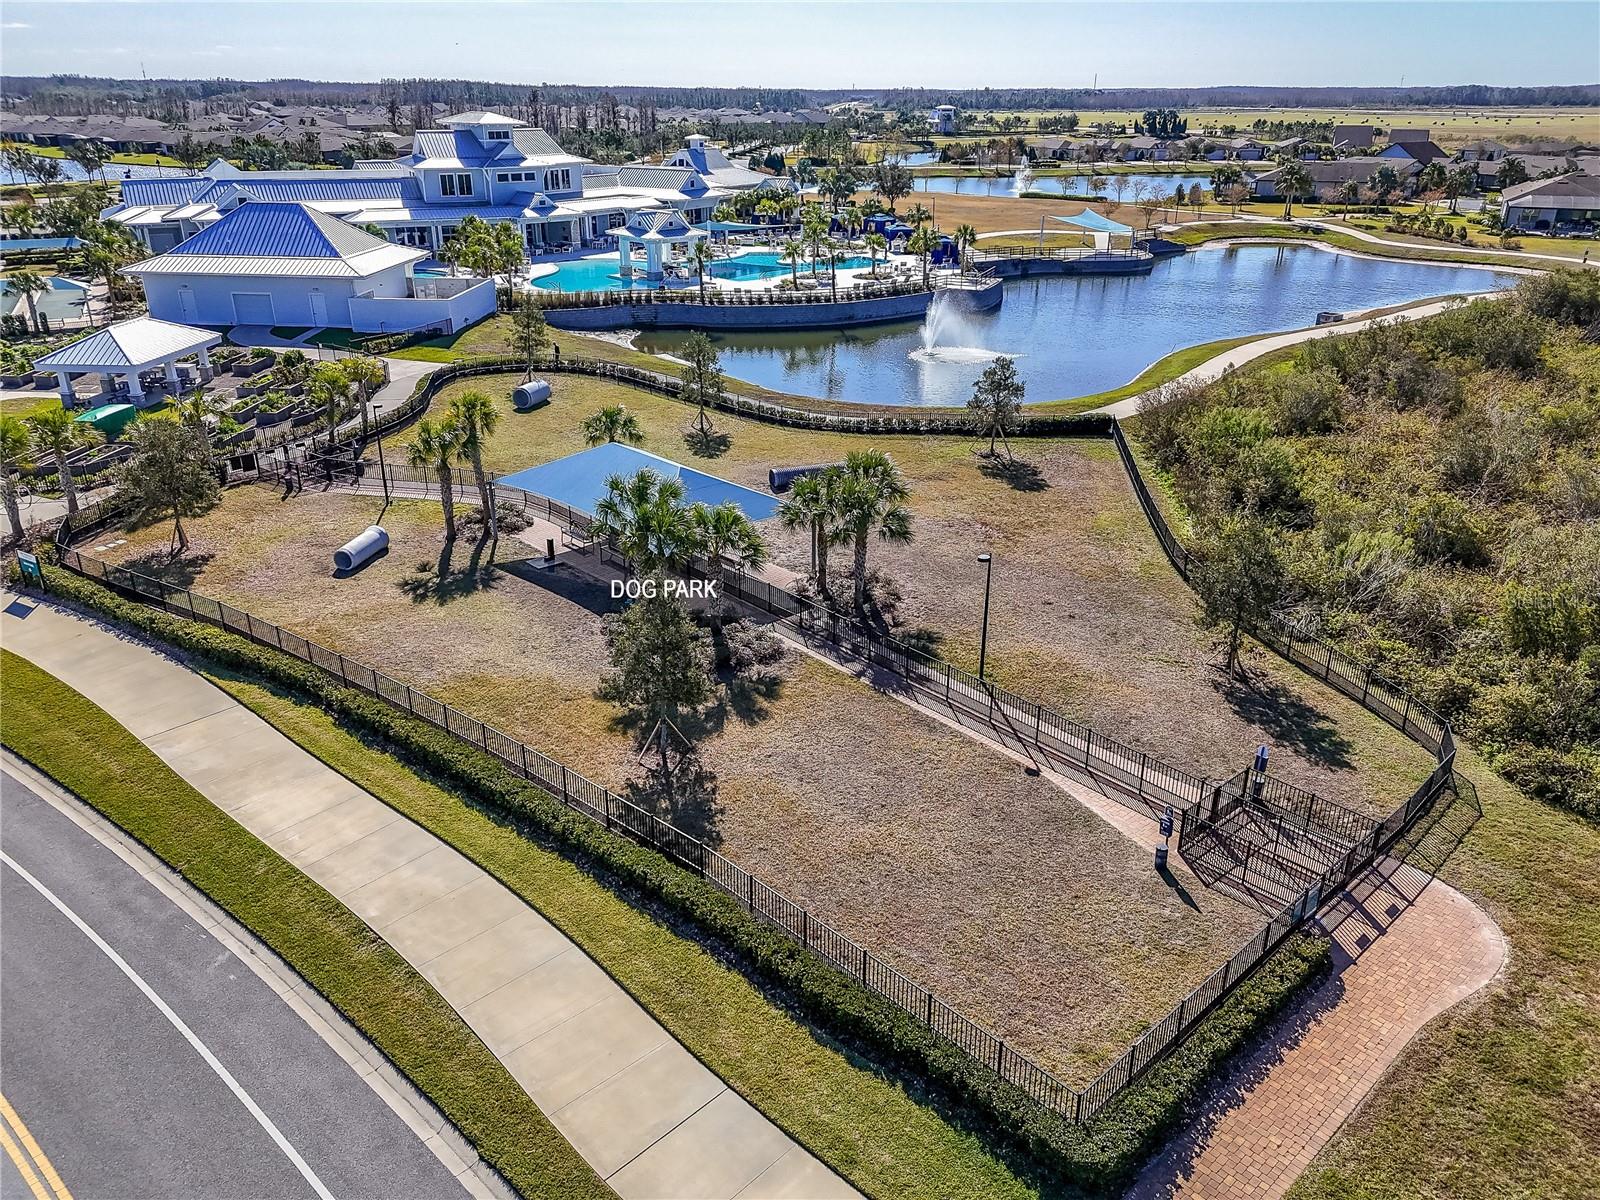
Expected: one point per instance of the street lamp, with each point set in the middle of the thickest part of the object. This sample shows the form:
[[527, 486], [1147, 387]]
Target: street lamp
[[983, 644]]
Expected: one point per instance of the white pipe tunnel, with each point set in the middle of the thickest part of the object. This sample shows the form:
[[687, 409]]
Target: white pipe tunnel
[[371, 541]]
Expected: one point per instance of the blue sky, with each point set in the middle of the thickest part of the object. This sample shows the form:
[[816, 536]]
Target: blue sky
[[859, 44]]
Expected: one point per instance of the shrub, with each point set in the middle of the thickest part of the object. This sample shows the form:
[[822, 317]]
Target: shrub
[[1570, 297], [1441, 529], [1099, 1156], [1308, 402]]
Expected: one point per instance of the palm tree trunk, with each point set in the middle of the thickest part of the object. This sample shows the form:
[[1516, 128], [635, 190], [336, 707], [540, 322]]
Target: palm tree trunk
[[484, 498], [447, 500], [861, 570], [13, 509], [822, 561], [68, 487]]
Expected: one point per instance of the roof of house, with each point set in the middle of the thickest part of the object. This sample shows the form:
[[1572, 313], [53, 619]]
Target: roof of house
[[266, 238], [1423, 152], [477, 118], [461, 147], [131, 344], [1575, 186], [660, 225], [1339, 170]]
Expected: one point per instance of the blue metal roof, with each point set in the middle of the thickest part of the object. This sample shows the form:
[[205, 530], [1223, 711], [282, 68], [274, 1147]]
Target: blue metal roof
[[579, 480], [266, 230], [163, 191]]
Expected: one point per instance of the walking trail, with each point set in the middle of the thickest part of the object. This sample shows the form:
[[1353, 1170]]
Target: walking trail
[[650, 1118], [1406, 948]]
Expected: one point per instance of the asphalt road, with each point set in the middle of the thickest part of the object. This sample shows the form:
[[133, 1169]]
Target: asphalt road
[[122, 1102]]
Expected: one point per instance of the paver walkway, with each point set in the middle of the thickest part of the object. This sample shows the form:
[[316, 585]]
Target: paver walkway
[[1406, 948], [644, 1112]]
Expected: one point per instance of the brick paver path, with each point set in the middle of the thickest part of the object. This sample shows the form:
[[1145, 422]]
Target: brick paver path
[[1401, 957]]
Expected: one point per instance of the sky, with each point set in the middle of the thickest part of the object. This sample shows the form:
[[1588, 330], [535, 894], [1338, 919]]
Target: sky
[[790, 43]]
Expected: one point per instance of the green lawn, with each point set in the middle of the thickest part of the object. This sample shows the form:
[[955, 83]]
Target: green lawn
[[865, 1126], [85, 750]]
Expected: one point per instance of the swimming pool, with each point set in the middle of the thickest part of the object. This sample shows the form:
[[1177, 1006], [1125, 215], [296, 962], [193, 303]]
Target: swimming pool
[[1074, 335], [764, 264], [600, 274], [66, 300]]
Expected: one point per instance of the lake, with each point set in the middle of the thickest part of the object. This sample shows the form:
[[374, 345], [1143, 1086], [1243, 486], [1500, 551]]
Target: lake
[[1057, 184], [1076, 335]]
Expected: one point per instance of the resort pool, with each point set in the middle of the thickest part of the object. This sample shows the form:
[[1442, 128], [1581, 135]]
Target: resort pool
[[1060, 185], [65, 301], [600, 274], [764, 264], [1073, 335]]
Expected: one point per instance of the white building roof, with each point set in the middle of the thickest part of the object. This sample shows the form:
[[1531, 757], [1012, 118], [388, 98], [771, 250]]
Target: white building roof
[[129, 345]]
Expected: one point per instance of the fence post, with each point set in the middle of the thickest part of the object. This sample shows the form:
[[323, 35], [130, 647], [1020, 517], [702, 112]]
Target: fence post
[[524, 748]]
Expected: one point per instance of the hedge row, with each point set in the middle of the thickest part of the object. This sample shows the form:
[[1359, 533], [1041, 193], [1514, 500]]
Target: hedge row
[[1098, 1156]]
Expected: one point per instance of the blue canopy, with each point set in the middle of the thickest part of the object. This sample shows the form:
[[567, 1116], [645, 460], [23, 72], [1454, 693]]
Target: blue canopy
[[730, 226], [1094, 222], [579, 480]]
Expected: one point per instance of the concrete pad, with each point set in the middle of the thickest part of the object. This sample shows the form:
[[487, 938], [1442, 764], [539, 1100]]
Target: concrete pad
[[714, 1155], [797, 1176], [579, 1054], [331, 829], [449, 921], [494, 958], [615, 1122], [407, 888], [538, 1000], [363, 860]]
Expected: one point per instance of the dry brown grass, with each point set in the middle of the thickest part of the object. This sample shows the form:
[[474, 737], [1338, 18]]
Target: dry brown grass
[[997, 890]]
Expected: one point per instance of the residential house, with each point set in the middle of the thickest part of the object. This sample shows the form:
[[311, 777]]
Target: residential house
[[1353, 139], [1328, 178], [480, 163], [1545, 205], [1410, 135], [277, 263], [1538, 166], [1242, 149], [1420, 152], [944, 119], [1482, 151]]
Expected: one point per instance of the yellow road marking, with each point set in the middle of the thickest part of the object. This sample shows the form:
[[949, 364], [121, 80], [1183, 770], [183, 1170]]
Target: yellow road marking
[[25, 1135], [24, 1168]]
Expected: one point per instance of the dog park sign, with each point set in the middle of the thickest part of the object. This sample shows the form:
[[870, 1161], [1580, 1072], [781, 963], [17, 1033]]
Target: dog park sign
[[672, 589]]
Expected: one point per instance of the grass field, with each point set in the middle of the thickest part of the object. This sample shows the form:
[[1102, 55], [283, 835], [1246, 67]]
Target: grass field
[[881, 1139], [1450, 126], [909, 840], [85, 750]]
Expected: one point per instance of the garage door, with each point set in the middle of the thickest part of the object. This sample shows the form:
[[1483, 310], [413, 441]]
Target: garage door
[[252, 308]]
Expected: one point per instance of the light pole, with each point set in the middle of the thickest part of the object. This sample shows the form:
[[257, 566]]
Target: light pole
[[983, 644]]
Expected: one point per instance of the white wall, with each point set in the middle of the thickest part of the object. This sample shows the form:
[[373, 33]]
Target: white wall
[[376, 314], [291, 297]]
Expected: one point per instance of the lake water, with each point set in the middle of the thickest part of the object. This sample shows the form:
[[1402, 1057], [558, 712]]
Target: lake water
[[72, 172], [1055, 184], [1073, 335]]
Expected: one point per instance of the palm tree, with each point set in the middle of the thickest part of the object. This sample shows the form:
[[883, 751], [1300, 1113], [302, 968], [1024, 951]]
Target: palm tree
[[366, 375], [29, 285], [104, 248], [700, 256], [966, 237], [195, 411], [476, 416], [852, 218], [89, 154], [814, 232], [875, 243], [434, 448], [1293, 181], [1349, 191], [918, 215], [613, 423], [22, 218], [923, 243], [792, 253], [870, 498], [644, 517], [15, 455], [810, 505], [724, 534], [54, 432], [330, 387]]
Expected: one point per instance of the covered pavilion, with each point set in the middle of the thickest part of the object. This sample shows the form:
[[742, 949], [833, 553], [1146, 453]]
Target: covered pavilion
[[657, 230], [127, 350]]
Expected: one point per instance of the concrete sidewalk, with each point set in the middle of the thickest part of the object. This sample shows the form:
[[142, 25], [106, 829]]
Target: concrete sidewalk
[[647, 1115]]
